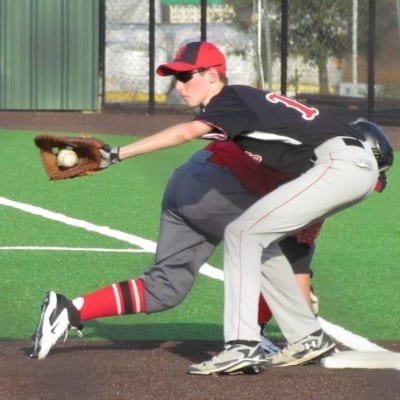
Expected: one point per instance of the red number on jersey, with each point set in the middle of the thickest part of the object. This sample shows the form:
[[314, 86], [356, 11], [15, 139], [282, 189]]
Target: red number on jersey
[[308, 113]]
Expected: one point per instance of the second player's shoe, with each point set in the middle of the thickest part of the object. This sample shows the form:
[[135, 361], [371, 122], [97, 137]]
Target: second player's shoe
[[58, 316], [270, 348], [235, 359], [306, 350]]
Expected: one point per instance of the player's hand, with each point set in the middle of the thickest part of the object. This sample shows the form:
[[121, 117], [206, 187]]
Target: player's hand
[[109, 156]]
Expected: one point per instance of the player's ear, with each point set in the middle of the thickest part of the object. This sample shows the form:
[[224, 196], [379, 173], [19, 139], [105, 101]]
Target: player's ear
[[213, 74]]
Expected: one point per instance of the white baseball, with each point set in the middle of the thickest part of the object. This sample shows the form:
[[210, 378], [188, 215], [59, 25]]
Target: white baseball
[[67, 158]]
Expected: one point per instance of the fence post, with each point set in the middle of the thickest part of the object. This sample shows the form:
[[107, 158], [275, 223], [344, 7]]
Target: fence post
[[102, 52], [151, 104], [203, 20], [284, 45], [371, 60]]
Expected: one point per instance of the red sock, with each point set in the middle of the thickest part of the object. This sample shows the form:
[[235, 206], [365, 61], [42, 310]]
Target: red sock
[[264, 313], [121, 298]]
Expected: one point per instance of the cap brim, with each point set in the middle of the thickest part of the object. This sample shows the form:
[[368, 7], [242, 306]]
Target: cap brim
[[171, 68]]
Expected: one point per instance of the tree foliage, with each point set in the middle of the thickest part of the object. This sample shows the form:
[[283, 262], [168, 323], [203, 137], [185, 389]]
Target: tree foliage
[[318, 29]]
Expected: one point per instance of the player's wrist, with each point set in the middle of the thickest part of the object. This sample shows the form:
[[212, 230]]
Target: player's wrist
[[114, 155], [109, 156]]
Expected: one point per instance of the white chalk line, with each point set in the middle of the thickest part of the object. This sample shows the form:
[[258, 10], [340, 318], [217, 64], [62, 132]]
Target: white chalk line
[[147, 246], [72, 249], [341, 335], [347, 338]]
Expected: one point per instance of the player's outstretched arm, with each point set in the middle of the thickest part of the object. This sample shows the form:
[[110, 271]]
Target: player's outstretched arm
[[169, 137]]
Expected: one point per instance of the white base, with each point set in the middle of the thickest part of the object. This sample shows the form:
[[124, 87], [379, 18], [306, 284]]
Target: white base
[[363, 359]]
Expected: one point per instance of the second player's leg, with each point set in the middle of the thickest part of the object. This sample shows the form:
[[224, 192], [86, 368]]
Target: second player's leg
[[199, 202]]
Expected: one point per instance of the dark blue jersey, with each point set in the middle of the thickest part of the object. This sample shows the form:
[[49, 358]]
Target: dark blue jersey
[[281, 130]]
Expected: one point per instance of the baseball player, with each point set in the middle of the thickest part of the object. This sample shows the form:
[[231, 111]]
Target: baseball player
[[201, 198], [332, 168]]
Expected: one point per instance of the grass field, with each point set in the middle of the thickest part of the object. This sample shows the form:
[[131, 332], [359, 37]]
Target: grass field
[[356, 266]]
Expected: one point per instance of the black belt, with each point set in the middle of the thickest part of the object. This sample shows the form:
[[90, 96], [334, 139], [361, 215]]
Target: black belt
[[352, 142]]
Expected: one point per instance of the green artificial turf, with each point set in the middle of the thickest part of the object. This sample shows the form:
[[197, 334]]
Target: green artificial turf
[[356, 265]]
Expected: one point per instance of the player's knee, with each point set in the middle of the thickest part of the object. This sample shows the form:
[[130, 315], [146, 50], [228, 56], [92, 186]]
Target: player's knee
[[232, 230], [164, 303], [235, 234]]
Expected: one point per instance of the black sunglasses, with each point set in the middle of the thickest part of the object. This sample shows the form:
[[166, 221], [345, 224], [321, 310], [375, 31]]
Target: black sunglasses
[[186, 76]]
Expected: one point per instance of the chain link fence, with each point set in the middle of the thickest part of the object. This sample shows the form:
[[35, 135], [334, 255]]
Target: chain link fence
[[328, 44], [127, 45]]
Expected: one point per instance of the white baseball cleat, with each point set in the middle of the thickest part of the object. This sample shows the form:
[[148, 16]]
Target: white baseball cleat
[[58, 316], [235, 359], [309, 349]]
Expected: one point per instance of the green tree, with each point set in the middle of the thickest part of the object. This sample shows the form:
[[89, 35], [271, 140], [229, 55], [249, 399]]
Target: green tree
[[318, 29]]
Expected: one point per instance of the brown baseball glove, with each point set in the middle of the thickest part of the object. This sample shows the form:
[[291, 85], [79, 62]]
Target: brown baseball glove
[[93, 155]]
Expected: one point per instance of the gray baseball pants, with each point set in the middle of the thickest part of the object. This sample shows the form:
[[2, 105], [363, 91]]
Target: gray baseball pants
[[200, 200], [342, 175]]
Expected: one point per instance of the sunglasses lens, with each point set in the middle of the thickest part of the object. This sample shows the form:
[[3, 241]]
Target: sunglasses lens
[[184, 76]]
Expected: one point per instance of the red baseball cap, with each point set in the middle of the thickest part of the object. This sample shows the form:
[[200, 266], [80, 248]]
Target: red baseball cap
[[192, 56]]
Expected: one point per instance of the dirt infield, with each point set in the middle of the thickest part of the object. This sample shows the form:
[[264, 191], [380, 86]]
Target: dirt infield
[[84, 370], [116, 120], [79, 370]]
